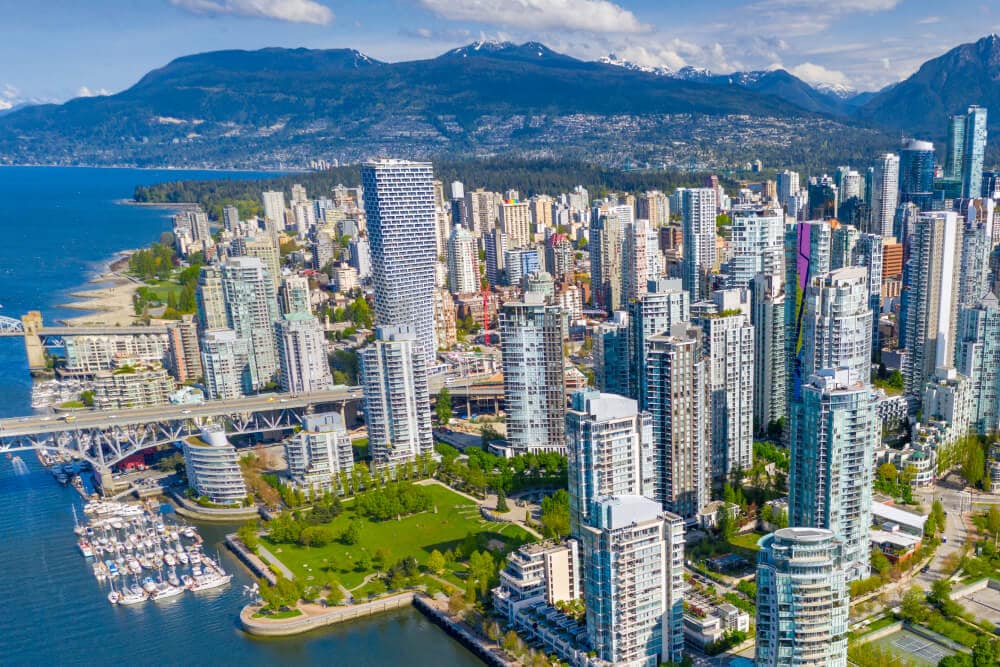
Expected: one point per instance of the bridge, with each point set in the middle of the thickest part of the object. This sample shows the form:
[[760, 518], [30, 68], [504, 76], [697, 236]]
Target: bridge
[[10, 326], [106, 437]]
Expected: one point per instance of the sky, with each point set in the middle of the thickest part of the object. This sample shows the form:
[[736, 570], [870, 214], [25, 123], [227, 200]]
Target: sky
[[53, 50]]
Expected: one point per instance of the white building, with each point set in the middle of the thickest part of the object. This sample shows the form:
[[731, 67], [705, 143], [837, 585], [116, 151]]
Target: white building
[[318, 453], [213, 468], [401, 218], [252, 309], [393, 373], [698, 224], [225, 358], [302, 355], [884, 194], [463, 262]]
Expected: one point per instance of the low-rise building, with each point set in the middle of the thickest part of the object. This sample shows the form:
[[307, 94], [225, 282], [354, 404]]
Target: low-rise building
[[543, 571], [890, 518], [318, 453], [132, 384], [213, 468], [705, 623]]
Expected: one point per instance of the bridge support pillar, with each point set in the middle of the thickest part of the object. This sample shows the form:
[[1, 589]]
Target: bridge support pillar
[[32, 321]]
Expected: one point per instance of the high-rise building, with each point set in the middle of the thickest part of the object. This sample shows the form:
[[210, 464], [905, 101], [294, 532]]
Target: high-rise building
[[835, 431], [185, 352], [393, 373], [294, 295], [612, 357], [605, 245], [929, 310], [728, 345], [400, 215], [803, 605], [977, 246], [252, 309], [916, 173], [837, 323], [698, 212], [823, 197], [230, 218], [955, 148], [884, 194], [974, 152], [265, 249], [211, 299], [495, 244], [559, 255], [302, 354], [463, 262], [757, 244], [653, 206], [635, 262], [320, 452], [274, 211], [663, 305], [979, 359], [482, 208], [788, 186], [633, 565], [767, 314], [869, 252], [807, 254], [515, 222], [677, 399], [609, 447], [533, 382], [225, 359], [520, 263]]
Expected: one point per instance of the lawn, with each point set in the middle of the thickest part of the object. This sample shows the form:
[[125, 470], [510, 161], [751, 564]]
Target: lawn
[[746, 541], [415, 536]]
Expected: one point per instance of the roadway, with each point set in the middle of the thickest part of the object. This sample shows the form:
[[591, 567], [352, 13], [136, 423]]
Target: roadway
[[950, 490], [43, 424]]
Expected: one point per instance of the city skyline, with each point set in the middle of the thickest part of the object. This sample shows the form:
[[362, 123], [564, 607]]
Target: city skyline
[[862, 45]]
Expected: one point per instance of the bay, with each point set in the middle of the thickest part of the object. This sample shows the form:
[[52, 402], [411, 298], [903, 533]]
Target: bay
[[59, 227]]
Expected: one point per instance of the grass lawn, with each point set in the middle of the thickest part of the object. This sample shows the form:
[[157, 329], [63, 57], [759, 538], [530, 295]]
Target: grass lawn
[[162, 289], [414, 536], [288, 613], [746, 541]]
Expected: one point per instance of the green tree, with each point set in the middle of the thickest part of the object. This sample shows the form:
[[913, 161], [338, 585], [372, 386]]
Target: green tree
[[555, 514], [880, 563], [436, 562], [351, 534], [442, 407], [726, 524], [248, 535], [502, 502], [334, 593]]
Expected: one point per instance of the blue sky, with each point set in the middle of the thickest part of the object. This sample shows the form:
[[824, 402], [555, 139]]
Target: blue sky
[[56, 49]]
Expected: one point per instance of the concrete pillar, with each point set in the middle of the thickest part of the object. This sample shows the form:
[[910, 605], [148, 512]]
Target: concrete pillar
[[32, 321]]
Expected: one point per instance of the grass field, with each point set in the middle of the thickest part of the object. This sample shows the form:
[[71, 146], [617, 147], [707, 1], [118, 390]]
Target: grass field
[[414, 536], [746, 541]]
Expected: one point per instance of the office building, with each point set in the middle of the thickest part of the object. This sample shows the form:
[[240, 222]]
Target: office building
[[929, 310], [974, 152], [612, 355], [916, 173], [884, 194], [609, 447], [463, 262], [633, 569], [803, 605], [955, 147], [757, 244], [767, 314], [698, 210], [677, 400], [252, 309], [319, 453], [213, 468], [728, 346], [225, 359], [533, 382], [401, 218], [663, 305], [302, 357], [393, 373], [835, 432]]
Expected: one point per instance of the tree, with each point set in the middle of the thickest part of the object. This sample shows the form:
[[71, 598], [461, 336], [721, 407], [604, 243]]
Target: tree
[[334, 593], [502, 502], [382, 559], [248, 535], [442, 407], [880, 563], [511, 642], [993, 520], [436, 562], [973, 462], [351, 534], [912, 606], [725, 523], [555, 514]]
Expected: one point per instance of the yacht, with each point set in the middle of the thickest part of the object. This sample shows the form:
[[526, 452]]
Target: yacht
[[164, 591], [134, 595], [209, 581]]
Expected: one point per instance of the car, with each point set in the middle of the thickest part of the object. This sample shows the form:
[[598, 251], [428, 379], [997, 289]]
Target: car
[[185, 412], [925, 569], [270, 399], [284, 400], [944, 539]]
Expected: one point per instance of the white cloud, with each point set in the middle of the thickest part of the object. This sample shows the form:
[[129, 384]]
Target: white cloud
[[808, 17], [293, 11], [84, 91], [927, 20], [813, 73], [597, 16]]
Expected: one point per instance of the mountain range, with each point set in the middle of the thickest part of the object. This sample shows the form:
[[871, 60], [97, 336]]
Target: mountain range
[[283, 107]]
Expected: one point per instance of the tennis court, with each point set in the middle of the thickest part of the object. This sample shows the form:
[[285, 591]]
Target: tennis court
[[913, 647]]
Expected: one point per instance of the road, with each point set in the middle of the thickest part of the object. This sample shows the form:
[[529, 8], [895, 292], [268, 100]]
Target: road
[[42, 424], [950, 490]]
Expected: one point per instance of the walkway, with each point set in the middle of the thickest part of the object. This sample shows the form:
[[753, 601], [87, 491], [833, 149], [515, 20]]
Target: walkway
[[273, 561]]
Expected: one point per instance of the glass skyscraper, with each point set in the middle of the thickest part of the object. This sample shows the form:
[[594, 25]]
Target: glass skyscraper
[[975, 150], [916, 173]]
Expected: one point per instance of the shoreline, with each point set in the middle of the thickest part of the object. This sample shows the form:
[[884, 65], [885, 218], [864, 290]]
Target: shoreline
[[112, 304], [241, 170]]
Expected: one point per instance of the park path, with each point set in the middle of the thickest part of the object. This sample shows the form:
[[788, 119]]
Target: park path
[[273, 561]]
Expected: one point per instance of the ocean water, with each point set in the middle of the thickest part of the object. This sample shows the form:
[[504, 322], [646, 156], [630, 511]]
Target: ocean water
[[59, 226]]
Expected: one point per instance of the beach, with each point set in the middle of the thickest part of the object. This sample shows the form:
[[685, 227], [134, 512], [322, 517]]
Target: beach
[[109, 301]]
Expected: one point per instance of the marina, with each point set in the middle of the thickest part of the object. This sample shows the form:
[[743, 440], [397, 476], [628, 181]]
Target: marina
[[141, 556]]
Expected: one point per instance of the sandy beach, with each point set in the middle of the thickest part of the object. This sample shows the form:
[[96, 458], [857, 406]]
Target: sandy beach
[[108, 305]]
